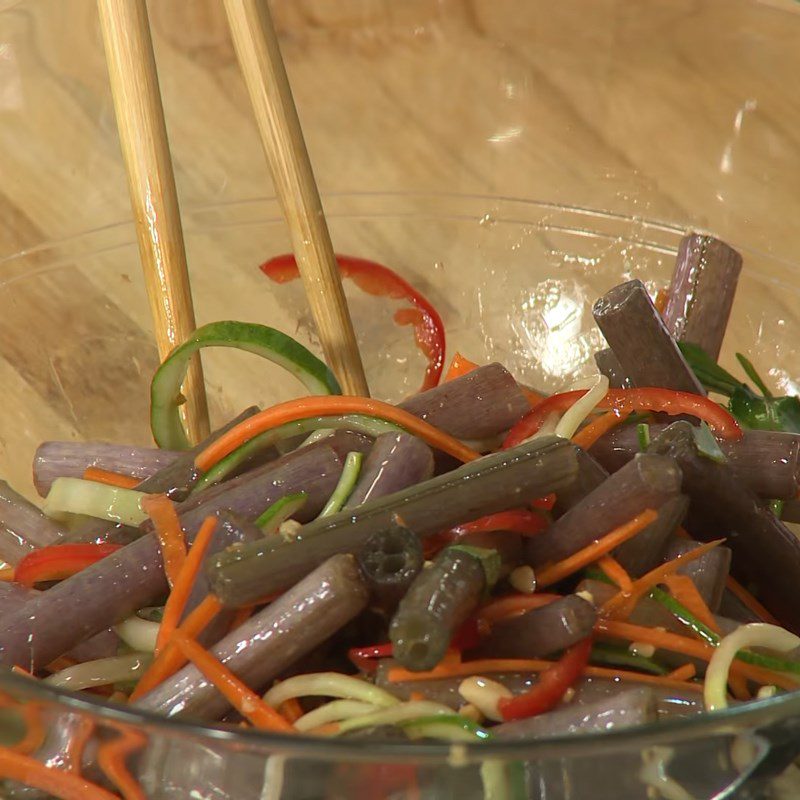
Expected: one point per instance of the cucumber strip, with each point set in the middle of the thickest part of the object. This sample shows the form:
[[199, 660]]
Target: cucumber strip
[[272, 519], [766, 660], [344, 488], [77, 496], [165, 389], [359, 423], [622, 657]]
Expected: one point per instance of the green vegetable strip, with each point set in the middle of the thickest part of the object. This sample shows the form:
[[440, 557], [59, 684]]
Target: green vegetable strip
[[707, 444], [750, 371], [643, 435], [347, 482], [281, 510], [77, 496], [614, 656], [685, 616], [359, 423], [165, 389]]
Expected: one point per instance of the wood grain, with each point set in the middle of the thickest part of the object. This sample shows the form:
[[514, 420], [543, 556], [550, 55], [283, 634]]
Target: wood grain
[[682, 112], [154, 198]]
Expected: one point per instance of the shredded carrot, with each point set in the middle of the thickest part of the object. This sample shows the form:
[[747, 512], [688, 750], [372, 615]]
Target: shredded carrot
[[616, 572], [110, 478], [534, 398], [7, 574], [321, 406], [416, 696], [184, 583], [459, 366], [754, 605], [683, 589], [59, 783], [241, 616], [519, 665], [112, 757], [738, 686], [77, 744], [683, 673], [22, 671], [561, 569], [662, 298], [240, 696], [512, 606], [688, 647], [62, 662], [170, 660], [622, 603], [589, 434], [291, 710], [328, 729], [170, 534], [34, 729]]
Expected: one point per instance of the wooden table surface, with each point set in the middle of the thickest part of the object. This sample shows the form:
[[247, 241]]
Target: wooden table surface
[[680, 111]]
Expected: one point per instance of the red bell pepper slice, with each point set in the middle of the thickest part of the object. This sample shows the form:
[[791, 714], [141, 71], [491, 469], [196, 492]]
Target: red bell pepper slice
[[60, 561], [380, 281], [366, 658], [627, 400], [551, 686], [517, 521]]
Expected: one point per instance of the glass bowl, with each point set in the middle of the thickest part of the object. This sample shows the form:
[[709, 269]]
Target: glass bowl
[[513, 160], [539, 266]]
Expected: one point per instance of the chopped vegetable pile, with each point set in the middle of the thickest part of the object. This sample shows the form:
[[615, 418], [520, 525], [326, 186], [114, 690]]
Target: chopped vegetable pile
[[465, 566]]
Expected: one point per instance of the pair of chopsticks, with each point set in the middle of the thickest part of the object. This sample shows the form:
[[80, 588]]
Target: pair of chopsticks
[[145, 148]]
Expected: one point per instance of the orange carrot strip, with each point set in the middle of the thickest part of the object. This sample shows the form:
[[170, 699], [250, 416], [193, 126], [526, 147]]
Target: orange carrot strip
[[517, 665], [170, 660], [662, 298], [169, 532], [555, 572], [110, 478], [622, 603], [291, 709], [683, 589], [7, 574], [77, 744], [683, 673], [240, 696], [588, 435], [241, 616], [320, 406], [616, 572], [184, 583], [112, 757], [534, 398], [459, 366], [512, 606], [738, 686], [689, 647], [34, 730], [754, 605], [59, 783]]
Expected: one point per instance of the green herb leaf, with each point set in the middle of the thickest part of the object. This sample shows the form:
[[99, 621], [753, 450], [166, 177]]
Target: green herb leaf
[[709, 373], [776, 507], [707, 445], [751, 373], [643, 435]]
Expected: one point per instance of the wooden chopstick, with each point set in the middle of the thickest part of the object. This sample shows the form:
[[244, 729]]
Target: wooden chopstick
[[154, 199], [256, 46]]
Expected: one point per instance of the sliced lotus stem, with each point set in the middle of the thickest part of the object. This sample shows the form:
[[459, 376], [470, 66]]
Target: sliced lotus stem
[[702, 290], [636, 333]]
